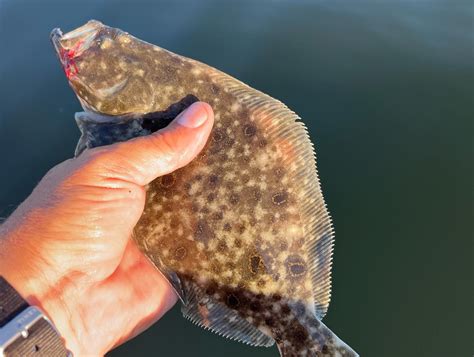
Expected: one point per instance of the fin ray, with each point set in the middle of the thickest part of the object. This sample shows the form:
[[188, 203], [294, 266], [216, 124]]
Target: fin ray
[[283, 124], [214, 316]]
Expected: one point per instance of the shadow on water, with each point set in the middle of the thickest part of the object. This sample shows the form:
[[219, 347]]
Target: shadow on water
[[386, 90]]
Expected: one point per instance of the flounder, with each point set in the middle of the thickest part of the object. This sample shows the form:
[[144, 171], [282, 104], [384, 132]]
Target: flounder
[[242, 233]]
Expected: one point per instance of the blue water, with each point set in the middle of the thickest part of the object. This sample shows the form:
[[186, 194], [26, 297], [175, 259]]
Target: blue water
[[386, 89]]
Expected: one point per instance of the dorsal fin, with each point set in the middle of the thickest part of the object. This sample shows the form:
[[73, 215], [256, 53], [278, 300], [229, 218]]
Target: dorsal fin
[[283, 125], [214, 316]]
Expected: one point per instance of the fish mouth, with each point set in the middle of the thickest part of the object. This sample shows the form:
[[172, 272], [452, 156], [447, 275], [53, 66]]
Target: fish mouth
[[72, 44], [55, 37]]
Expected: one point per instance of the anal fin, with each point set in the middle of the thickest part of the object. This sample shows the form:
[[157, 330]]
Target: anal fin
[[214, 316]]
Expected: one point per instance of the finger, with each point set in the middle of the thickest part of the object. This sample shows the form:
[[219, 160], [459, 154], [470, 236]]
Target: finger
[[143, 159]]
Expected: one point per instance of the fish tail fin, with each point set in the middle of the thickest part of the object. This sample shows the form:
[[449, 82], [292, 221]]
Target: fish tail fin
[[317, 340]]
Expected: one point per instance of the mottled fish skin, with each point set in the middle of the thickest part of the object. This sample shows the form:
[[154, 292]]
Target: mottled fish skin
[[242, 232]]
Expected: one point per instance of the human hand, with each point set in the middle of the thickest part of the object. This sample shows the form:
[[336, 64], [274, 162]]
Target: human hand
[[67, 247]]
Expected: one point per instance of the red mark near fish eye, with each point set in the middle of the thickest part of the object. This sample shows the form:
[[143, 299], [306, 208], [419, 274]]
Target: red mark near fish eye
[[67, 58]]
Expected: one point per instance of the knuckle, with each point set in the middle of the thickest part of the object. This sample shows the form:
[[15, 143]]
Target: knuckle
[[162, 142]]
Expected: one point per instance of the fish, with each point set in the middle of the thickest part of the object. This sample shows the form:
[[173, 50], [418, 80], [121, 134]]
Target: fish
[[242, 233]]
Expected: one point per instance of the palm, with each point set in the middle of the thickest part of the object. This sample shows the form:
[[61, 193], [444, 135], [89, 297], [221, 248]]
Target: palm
[[71, 237], [117, 282], [134, 280], [126, 287]]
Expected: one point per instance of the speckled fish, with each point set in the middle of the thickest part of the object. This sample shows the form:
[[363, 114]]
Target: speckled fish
[[242, 233]]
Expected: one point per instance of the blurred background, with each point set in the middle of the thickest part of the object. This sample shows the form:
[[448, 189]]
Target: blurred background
[[386, 89]]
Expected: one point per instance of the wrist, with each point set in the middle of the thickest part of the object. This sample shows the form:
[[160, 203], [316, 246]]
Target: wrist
[[29, 277]]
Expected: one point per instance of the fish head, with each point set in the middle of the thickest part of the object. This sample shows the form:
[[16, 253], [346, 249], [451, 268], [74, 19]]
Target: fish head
[[105, 69]]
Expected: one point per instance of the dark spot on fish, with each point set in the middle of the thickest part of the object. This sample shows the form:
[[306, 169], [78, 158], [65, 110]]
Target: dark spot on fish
[[238, 243], [279, 172], [255, 306], [234, 199], [203, 232], [285, 310], [227, 227], [279, 198], [300, 335], [167, 180], [245, 178], [211, 197], [255, 264], [211, 289], [232, 301], [222, 246], [215, 268], [295, 266], [223, 157], [278, 336], [299, 309], [257, 194], [218, 216], [250, 130], [299, 243], [218, 135], [180, 253], [213, 180], [215, 89], [261, 283], [245, 159], [229, 142], [276, 297], [270, 321], [227, 280], [174, 223], [325, 349]]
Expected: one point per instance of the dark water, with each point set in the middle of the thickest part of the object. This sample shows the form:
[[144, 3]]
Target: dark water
[[387, 91]]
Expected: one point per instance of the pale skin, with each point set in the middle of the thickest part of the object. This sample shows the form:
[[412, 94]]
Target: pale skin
[[68, 250]]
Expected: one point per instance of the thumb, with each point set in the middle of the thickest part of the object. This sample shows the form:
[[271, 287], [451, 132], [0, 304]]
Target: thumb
[[143, 159]]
